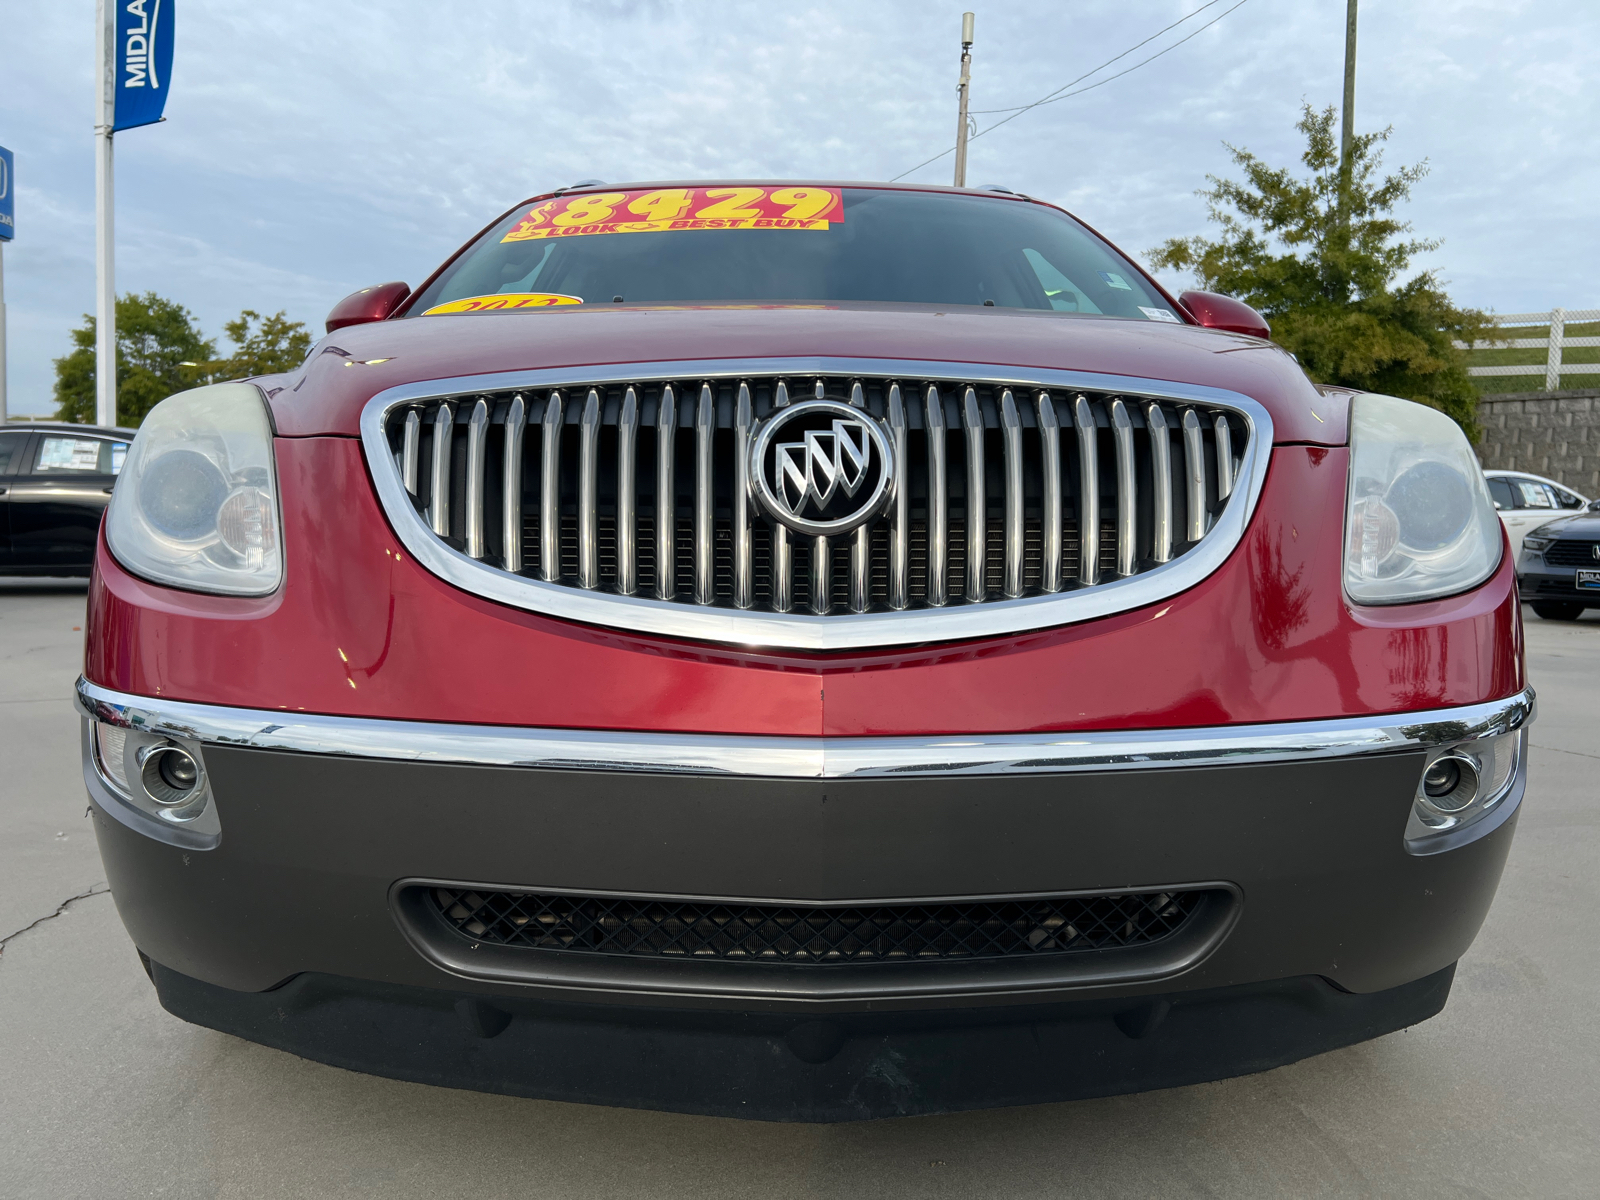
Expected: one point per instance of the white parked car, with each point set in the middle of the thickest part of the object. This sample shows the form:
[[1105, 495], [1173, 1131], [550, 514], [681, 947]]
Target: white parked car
[[1526, 501]]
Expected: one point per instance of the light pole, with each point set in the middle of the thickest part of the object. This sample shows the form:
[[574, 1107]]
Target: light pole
[[105, 290], [967, 20]]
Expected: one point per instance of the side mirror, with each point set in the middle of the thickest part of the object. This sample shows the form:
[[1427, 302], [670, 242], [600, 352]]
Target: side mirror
[[369, 304], [1224, 312], [1594, 506]]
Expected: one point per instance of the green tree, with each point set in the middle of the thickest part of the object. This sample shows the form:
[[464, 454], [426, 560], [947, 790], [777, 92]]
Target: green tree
[[275, 344], [1329, 280], [155, 336]]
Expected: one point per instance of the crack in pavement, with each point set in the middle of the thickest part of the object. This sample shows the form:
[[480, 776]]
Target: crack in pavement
[[95, 890]]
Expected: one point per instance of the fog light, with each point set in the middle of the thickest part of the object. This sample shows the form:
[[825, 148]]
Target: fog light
[[1450, 783], [1462, 784], [170, 775]]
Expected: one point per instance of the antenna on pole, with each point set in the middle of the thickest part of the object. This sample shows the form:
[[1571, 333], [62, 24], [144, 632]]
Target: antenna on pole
[[967, 20]]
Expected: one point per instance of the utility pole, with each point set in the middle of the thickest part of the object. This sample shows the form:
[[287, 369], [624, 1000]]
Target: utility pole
[[1347, 130], [967, 20], [105, 291]]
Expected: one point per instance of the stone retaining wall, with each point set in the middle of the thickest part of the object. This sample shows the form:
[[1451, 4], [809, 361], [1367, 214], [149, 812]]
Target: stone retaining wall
[[1554, 434]]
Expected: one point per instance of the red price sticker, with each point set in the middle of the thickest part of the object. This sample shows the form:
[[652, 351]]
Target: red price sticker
[[668, 210]]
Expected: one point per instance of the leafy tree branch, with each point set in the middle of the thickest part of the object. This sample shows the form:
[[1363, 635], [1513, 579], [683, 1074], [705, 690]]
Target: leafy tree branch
[[1328, 275]]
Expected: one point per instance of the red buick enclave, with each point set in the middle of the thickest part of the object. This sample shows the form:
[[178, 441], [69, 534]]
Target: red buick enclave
[[801, 651]]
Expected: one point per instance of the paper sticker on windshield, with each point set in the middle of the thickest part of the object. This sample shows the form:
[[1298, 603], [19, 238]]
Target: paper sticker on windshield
[[668, 210], [1160, 314], [502, 302], [1116, 281]]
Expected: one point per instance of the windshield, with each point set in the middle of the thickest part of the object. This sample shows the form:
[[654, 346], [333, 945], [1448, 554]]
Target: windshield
[[792, 244]]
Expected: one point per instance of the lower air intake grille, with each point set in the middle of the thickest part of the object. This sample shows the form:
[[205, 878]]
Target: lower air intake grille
[[641, 927]]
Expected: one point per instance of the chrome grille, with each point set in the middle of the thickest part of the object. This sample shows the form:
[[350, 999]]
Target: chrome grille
[[638, 488]]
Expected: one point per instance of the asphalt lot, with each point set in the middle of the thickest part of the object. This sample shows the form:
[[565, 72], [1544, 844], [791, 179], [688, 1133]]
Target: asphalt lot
[[103, 1094]]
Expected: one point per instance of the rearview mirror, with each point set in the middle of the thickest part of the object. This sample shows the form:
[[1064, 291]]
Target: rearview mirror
[[1215, 311], [369, 304]]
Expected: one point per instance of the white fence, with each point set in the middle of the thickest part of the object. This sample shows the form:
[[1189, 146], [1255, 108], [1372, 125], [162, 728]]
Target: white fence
[[1557, 340]]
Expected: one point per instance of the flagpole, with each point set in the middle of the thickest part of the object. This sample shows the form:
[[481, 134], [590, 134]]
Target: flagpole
[[4, 415], [105, 306]]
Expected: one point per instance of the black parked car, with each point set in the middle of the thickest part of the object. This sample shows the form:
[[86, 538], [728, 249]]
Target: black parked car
[[1559, 569], [55, 482]]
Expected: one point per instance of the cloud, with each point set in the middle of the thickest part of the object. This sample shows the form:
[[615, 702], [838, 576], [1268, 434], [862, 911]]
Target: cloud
[[312, 148]]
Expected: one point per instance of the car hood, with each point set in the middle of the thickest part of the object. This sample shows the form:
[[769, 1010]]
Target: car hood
[[347, 368], [1579, 526]]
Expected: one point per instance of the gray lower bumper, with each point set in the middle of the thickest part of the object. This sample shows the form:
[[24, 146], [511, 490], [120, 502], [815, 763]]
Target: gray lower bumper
[[1308, 841]]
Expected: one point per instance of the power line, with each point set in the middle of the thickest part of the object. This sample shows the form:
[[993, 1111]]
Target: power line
[[1053, 97], [1137, 46]]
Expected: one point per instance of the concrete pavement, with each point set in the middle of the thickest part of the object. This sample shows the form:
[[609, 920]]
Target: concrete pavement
[[103, 1094]]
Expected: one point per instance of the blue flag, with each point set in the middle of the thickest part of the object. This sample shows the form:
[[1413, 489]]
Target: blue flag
[[8, 196], [144, 61]]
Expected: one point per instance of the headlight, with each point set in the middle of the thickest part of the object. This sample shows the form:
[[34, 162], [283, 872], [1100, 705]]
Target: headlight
[[1419, 523], [1536, 545], [196, 504]]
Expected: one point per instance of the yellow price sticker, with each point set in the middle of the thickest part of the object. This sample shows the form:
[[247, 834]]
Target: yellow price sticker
[[503, 302]]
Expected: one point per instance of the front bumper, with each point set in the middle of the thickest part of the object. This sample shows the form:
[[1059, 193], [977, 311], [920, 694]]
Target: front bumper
[[1536, 581], [1299, 826]]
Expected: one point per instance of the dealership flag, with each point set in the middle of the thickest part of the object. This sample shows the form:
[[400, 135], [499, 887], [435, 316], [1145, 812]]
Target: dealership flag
[[143, 62]]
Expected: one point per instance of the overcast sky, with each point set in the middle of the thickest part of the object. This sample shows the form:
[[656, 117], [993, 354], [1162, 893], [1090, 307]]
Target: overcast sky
[[314, 148]]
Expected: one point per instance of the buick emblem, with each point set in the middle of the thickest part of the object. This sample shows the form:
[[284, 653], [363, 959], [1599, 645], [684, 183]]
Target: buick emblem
[[821, 467]]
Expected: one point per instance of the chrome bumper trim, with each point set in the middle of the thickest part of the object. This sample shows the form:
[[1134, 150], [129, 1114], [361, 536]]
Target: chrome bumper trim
[[804, 757], [796, 631]]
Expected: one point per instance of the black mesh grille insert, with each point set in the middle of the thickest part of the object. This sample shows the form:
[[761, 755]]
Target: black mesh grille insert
[[642, 927], [1572, 553]]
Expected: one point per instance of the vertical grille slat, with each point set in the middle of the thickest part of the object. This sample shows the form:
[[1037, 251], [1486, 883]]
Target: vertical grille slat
[[938, 512], [705, 428], [1011, 427], [409, 439], [1224, 458], [627, 493], [782, 545], [439, 485], [899, 518], [511, 484], [743, 560], [1011, 512], [1127, 491], [1088, 436], [861, 541], [977, 496], [821, 576], [1050, 579], [1194, 475], [589, 492], [477, 439], [550, 487], [1161, 481], [666, 518]]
